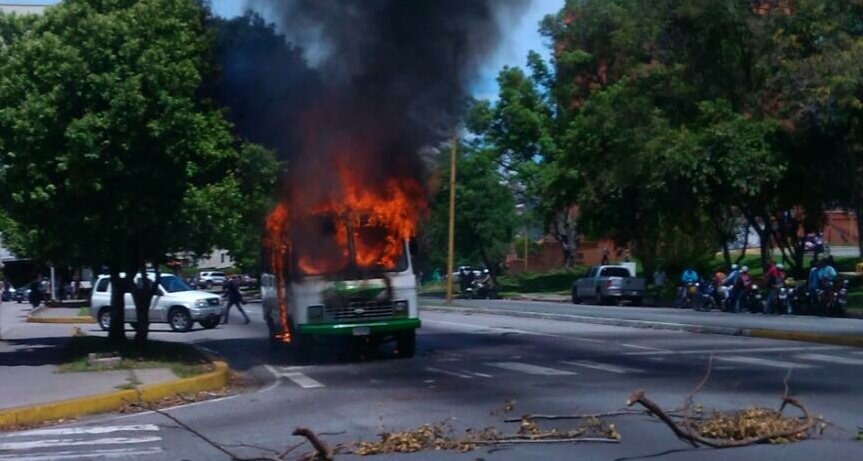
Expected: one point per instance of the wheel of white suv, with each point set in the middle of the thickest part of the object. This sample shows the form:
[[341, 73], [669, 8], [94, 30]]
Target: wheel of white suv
[[105, 318], [179, 319]]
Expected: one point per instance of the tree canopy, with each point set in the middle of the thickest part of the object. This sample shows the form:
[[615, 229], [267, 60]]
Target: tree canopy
[[110, 156]]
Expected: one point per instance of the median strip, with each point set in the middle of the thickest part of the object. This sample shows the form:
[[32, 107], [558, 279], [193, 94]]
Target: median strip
[[840, 340]]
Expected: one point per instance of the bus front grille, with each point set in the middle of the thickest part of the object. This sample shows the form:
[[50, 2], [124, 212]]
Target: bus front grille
[[365, 310]]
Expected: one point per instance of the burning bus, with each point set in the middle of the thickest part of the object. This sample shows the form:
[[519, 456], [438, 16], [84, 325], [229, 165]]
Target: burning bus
[[340, 265]]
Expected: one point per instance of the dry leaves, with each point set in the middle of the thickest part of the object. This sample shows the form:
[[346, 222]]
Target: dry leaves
[[748, 423]]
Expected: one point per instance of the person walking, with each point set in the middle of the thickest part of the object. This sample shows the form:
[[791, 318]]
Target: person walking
[[235, 298], [659, 283]]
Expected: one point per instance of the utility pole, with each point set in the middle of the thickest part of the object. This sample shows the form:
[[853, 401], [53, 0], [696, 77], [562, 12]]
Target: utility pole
[[450, 258]]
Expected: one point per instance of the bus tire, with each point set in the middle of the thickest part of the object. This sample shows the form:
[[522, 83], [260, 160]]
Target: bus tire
[[406, 343]]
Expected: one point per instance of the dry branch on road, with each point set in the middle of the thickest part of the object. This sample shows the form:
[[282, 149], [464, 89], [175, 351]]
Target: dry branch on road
[[732, 429]]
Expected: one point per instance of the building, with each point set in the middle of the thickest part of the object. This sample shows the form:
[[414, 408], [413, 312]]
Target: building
[[218, 259]]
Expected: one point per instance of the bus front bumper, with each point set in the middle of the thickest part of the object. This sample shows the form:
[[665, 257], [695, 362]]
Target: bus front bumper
[[359, 329]]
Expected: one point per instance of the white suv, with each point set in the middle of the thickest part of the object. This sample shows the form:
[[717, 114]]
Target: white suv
[[176, 304], [208, 279]]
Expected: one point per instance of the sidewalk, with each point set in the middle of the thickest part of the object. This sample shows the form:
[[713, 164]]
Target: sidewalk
[[29, 357], [816, 329]]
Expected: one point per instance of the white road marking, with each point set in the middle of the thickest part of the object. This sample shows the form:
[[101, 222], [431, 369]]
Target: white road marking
[[446, 372], [601, 366], [646, 348], [739, 351], [764, 362], [84, 430], [58, 455], [830, 359], [530, 368], [481, 375], [296, 377], [857, 352], [50, 443], [494, 330]]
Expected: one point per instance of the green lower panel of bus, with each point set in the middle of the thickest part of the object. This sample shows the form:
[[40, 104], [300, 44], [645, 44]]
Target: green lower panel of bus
[[359, 329]]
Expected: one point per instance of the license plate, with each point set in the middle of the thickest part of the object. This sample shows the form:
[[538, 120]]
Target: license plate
[[362, 331]]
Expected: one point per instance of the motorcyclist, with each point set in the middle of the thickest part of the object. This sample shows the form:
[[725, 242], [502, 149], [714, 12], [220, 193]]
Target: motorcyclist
[[813, 283], [462, 279], [827, 273], [689, 276], [743, 283], [774, 279]]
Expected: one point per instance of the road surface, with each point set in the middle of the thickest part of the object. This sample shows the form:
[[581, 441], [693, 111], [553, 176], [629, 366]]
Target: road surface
[[467, 366]]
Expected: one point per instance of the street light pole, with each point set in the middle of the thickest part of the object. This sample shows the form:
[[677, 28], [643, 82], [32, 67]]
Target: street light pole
[[450, 258]]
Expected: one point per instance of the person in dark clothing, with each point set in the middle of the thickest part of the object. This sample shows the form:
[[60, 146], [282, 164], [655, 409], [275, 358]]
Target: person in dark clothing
[[235, 298], [36, 293]]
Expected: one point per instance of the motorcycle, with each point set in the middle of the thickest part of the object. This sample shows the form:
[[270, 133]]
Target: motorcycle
[[750, 299], [711, 296], [776, 302], [796, 298], [479, 290], [687, 296], [833, 298]]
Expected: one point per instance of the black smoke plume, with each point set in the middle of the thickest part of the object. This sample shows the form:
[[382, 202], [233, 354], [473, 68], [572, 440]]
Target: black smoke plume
[[391, 78]]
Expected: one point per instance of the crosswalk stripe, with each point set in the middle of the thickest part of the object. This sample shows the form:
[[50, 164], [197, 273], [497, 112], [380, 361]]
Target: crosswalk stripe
[[601, 366], [298, 378], [451, 373], [84, 430], [530, 368], [738, 351], [830, 359], [50, 443], [302, 380], [764, 362], [481, 375], [58, 455]]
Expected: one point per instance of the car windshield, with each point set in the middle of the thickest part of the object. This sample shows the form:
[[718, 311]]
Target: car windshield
[[173, 284], [615, 272]]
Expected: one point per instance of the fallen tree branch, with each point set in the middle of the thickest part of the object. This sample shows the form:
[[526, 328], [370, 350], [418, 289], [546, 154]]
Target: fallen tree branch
[[545, 440], [322, 452], [579, 416], [695, 439]]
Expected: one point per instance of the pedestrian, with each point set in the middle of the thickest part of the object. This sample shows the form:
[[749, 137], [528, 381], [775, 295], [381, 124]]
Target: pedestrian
[[604, 256], [659, 277], [235, 298]]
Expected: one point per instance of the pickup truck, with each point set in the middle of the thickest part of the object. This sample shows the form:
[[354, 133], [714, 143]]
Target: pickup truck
[[604, 284]]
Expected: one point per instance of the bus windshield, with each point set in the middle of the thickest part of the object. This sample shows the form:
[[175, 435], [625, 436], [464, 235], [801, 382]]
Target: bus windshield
[[326, 245]]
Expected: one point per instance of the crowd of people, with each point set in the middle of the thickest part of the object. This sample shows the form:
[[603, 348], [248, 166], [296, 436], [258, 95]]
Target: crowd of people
[[732, 288]]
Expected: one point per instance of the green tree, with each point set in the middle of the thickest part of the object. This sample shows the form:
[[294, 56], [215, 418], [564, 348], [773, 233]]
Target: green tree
[[485, 211], [521, 130], [109, 156]]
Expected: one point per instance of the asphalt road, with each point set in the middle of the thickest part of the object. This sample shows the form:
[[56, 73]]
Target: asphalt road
[[467, 367]]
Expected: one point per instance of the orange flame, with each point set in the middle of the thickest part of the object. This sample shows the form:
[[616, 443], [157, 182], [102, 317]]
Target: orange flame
[[381, 217], [278, 244]]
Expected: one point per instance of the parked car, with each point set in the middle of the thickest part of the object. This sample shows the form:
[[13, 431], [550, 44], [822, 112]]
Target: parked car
[[468, 269], [209, 279], [604, 284], [21, 294], [176, 304]]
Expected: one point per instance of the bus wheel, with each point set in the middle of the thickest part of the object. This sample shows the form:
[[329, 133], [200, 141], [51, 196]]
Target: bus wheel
[[406, 343]]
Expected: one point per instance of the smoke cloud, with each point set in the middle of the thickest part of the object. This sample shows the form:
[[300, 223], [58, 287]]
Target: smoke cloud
[[393, 74]]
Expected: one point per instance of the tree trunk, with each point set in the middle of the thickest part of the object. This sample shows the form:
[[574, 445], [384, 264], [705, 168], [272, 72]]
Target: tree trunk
[[565, 232], [859, 217], [116, 331], [726, 253], [143, 296]]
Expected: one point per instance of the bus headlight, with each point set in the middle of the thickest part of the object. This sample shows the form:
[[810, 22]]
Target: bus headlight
[[400, 308], [316, 313]]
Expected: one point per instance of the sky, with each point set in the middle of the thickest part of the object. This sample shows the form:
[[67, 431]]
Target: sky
[[518, 38]]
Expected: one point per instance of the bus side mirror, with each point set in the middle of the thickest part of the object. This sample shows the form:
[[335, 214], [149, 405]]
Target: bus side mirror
[[413, 247]]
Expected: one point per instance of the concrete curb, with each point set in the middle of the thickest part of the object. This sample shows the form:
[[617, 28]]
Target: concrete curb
[[851, 341], [31, 319], [80, 406]]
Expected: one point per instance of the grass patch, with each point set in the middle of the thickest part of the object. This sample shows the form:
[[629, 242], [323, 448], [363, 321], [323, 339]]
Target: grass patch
[[182, 359], [84, 311], [557, 281]]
